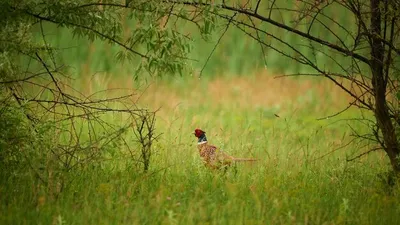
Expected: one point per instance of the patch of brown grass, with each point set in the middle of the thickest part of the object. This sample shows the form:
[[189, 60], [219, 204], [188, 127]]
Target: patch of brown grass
[[237, 92]]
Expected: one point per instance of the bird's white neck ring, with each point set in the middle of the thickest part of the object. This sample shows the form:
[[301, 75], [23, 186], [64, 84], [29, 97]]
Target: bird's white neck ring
[[202, 142]]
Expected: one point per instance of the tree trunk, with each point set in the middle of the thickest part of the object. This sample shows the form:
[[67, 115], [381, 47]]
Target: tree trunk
[[379, 87]]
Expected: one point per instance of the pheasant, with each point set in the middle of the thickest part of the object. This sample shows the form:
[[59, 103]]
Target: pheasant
[[212, 156]]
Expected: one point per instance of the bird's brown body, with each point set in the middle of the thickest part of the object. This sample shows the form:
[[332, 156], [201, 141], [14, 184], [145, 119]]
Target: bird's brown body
[[212, 156]]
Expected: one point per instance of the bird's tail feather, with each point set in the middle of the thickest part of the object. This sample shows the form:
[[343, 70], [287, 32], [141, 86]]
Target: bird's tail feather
[[244, 159]]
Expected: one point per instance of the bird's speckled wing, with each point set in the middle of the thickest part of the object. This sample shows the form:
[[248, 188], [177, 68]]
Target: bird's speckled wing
[[214, 157]]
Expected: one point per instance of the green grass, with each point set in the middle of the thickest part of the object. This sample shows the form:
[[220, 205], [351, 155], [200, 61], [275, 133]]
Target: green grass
[[292, 183], [190, 195]]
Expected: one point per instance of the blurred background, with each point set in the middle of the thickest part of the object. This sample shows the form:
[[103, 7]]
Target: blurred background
[[246, 99]]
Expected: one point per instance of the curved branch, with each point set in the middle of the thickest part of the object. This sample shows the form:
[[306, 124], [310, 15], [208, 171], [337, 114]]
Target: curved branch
[[280, 25], [100, 34]]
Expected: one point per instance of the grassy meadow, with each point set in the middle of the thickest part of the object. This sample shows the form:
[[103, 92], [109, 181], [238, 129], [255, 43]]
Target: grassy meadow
[[301, 176]]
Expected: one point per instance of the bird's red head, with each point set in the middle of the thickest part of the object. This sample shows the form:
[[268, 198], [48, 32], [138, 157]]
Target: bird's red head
[[198, 133]]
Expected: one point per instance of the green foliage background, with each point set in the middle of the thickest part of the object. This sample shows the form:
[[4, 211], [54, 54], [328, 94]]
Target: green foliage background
[[235, 54]]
